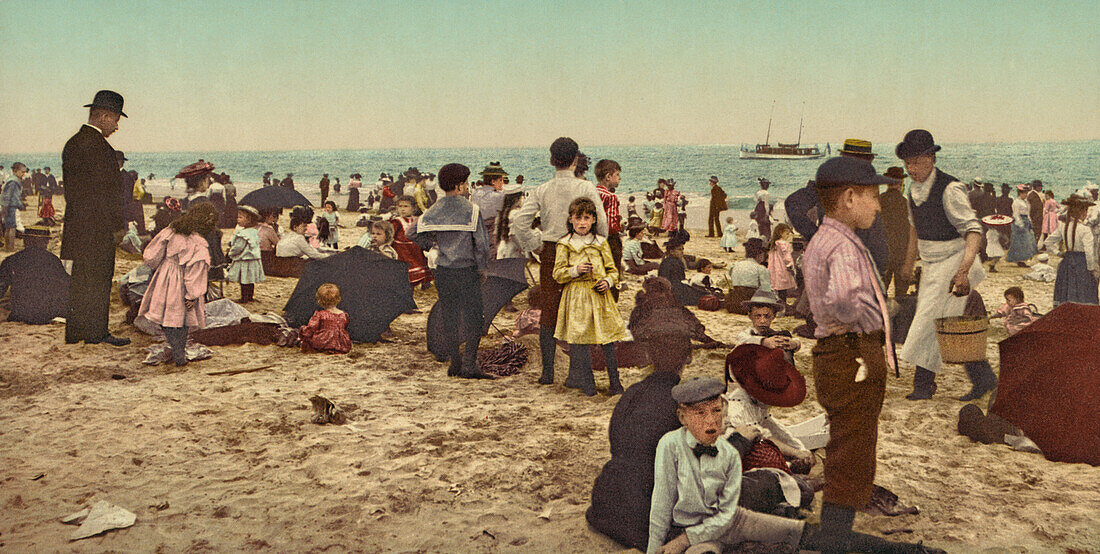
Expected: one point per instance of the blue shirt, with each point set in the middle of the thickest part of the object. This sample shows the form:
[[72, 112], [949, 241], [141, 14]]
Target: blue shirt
[[697, 493]]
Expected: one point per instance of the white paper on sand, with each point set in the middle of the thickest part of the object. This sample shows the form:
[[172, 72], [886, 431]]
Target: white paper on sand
[[861, 373], [102, 516], [814, 433]]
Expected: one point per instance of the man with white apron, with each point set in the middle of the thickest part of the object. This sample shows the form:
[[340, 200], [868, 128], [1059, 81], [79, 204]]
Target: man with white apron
[[947, 234]]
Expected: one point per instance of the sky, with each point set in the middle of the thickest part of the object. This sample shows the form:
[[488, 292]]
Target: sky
[[279, 75]]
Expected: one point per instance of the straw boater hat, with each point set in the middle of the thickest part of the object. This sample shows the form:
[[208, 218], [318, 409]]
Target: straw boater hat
[[196, 169], [766, 375], [714, 178], [493, 170], [917, 142], [762, 298], [857, 147]]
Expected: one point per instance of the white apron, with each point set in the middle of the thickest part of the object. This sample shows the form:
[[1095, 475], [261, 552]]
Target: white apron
[[940, 260]]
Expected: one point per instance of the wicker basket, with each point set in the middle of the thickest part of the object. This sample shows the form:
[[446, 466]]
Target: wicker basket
[[962, 338]]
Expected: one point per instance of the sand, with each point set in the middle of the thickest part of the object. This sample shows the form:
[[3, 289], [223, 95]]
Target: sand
[[430, 463]]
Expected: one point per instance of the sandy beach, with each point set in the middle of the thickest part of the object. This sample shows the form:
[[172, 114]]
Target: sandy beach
[[220, 463]]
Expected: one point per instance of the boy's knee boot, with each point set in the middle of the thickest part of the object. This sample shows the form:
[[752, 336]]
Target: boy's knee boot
[[924, 385], [580, 369], [548, 346], [982, 380], [614, 386], [833, 535], [176, 337]]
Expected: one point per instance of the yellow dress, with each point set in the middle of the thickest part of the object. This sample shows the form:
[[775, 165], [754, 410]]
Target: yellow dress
[[657, 216], [586, 316]]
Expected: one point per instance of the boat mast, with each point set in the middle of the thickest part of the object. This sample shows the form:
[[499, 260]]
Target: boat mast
[[768, 138], [800, 123]]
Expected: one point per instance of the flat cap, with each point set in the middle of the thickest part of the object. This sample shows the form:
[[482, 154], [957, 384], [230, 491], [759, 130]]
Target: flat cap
[[697, 389], [843, 171]]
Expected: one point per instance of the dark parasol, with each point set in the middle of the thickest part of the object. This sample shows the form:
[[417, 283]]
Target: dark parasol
[[1050, 383], [274, 197], [374, 290], [503, 281]]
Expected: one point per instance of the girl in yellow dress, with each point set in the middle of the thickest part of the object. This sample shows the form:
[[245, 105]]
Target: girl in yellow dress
[[587, 314]]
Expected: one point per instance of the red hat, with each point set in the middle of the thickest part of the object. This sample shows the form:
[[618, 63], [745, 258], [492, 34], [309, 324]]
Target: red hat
[[200, 167], [766, 375]]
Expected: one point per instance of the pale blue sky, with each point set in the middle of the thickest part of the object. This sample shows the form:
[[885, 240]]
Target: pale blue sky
[[247, 75]]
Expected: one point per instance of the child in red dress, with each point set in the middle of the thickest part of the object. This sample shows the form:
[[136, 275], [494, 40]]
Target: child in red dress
[[407, 251], [327, 330]]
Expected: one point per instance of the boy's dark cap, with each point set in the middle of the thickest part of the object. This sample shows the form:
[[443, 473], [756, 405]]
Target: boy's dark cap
[[917, 142], [698, 389], [845, 170], [714, 178]]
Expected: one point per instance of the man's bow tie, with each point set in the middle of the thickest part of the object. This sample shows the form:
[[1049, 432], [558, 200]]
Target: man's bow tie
[[700, 449]]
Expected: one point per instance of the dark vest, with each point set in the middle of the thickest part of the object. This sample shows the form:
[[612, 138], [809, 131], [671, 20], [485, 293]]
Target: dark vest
[[929, 218]]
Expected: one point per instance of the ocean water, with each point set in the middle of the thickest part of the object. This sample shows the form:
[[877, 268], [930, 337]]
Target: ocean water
[[1062, 166]]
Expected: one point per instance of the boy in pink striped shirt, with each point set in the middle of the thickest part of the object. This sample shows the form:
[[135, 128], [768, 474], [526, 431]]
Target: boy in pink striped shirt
[[848, 304]]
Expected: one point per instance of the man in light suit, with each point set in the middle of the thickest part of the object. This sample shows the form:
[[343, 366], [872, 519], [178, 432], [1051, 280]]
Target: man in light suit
[[93, 217]]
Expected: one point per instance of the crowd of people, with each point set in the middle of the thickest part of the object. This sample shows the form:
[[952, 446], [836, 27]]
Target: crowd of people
[[695, 463]]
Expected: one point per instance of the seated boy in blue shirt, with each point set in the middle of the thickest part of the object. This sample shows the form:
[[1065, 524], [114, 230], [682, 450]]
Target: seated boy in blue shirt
[[697, 483]]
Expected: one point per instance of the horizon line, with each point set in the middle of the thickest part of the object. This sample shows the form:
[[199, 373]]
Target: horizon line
[[390, 148]]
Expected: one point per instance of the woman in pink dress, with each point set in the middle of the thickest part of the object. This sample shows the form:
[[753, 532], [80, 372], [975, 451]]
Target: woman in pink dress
[[672, 197], [180, 258], [327, 330], [1050, 215]]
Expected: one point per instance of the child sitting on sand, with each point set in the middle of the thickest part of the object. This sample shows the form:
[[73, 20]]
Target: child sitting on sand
[[327, 330], [702, 281], [748, 276], [1017, 313], [246, 266], [587, 314], [762, 309], [180, 259], [729, 235], [379, 238]]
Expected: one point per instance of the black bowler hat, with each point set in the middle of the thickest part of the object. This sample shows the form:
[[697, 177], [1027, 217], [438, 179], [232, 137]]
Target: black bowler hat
[[845, 170], [917, 142], [108, 100]]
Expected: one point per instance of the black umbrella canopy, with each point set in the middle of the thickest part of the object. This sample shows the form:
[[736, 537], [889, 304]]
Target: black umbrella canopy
[[274, 197], [374, 290], [505, 279]]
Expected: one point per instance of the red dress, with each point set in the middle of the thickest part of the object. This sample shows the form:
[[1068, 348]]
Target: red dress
[[409, 252], [326, 332]]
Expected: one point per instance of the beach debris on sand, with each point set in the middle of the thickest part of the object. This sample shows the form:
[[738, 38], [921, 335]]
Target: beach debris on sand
[[325, 411], [99, 518]]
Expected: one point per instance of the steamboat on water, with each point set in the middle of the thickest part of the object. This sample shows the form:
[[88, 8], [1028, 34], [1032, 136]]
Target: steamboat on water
[[782, 151]]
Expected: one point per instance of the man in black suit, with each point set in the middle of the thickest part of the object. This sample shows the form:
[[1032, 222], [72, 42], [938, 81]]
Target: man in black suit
[[93, 216]]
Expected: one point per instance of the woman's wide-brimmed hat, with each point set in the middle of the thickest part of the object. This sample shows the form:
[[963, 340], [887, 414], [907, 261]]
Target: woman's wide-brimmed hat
[[196, 169], [494, 170], [512, 189], [857, 147], [108, 100], [766, 375], [1023, 187], [1077, 199], [917, 142], [249, 209], [997, 220]]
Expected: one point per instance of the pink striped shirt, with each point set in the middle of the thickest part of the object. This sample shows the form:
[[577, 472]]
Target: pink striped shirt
[[840, 280]]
